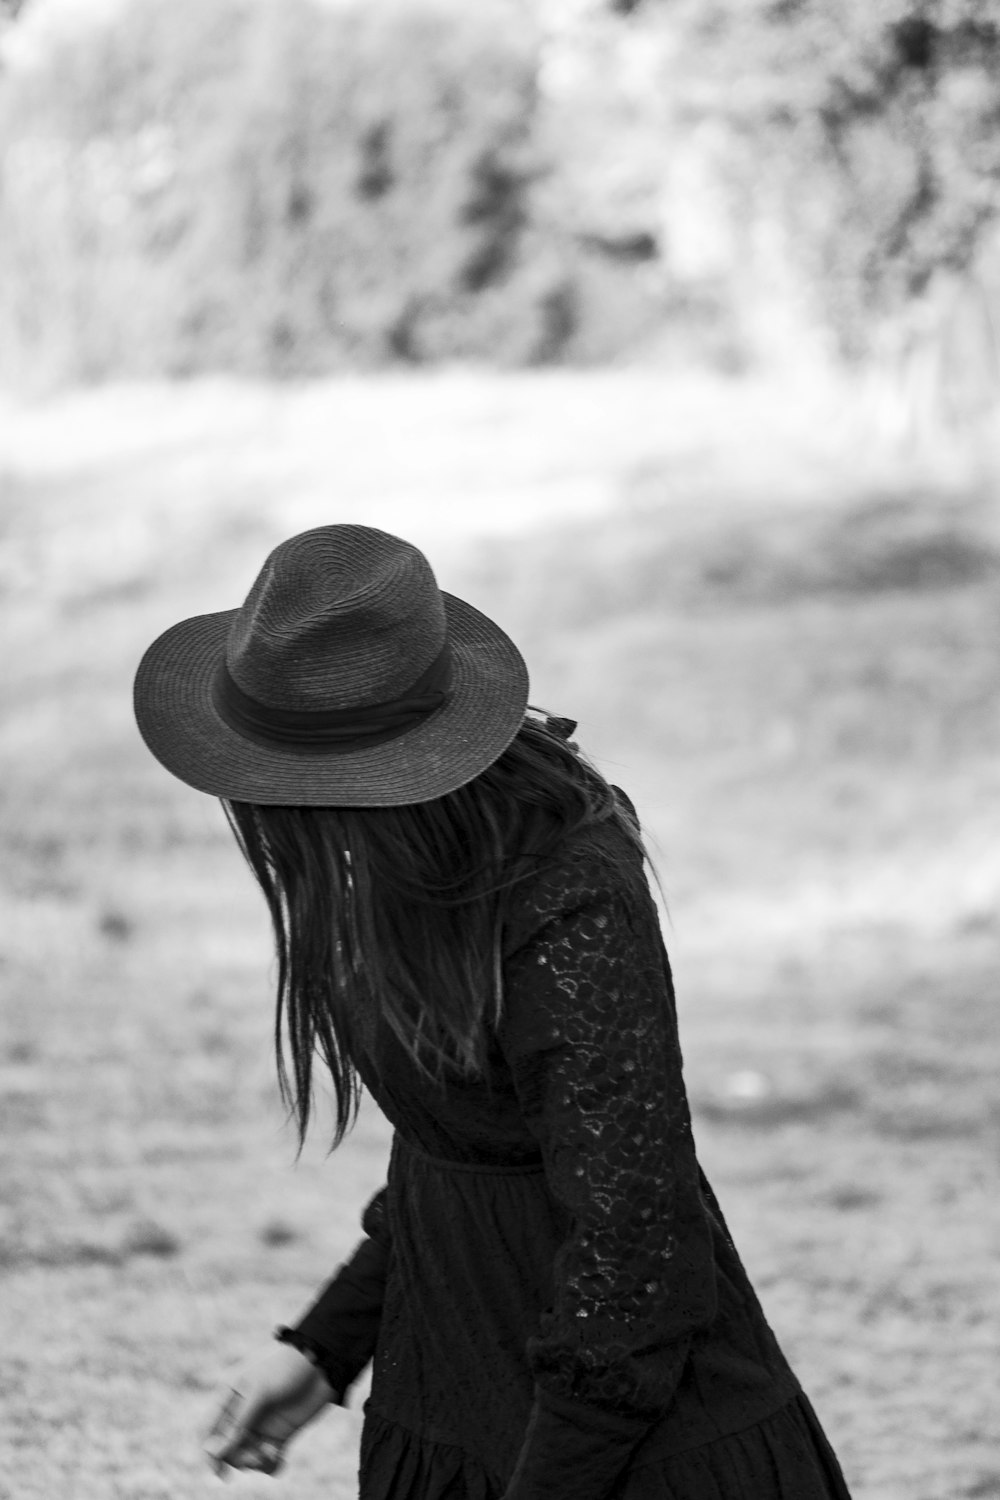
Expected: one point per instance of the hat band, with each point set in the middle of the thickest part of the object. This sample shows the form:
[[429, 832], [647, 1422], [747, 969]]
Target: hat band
[[332, 729]]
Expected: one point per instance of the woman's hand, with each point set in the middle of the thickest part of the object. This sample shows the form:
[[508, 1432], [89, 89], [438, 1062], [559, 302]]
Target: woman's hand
[[271, 1398]]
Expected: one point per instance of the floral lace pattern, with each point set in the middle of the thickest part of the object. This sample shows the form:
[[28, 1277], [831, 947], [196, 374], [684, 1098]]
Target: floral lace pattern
[[547, 1285], [590, 1036]]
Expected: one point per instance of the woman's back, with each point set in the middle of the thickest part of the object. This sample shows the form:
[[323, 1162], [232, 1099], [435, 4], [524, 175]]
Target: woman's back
[[555, 1209]]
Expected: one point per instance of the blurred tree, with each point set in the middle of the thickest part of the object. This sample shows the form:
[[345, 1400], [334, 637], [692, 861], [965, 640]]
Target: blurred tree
[[276, 187], [283, 187], [871, 130]]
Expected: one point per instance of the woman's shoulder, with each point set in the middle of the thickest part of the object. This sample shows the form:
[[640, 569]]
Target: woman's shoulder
[[601, 861], [608, 850]]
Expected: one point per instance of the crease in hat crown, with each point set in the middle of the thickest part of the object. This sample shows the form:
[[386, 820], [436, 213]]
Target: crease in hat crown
[[338, 617]]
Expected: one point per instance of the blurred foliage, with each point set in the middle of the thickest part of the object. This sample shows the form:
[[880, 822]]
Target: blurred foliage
[[869, 130], [275, 189], [281, 187]]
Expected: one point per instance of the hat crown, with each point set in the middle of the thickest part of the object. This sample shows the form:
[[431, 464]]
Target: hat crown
[[339, 617]]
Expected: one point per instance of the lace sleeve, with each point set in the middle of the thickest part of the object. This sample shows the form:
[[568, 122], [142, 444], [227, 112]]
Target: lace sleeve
[[591, 1039], [343, 1322]]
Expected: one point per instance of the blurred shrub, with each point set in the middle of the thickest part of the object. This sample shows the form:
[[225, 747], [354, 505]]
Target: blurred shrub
[[284, 187], [276, 187], [867, 130]]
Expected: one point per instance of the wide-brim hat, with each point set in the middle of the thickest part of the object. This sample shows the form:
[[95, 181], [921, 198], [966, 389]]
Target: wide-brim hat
[[347, 678]]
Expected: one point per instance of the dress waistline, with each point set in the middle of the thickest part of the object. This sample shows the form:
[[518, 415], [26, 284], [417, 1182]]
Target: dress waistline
[[505, 1169]]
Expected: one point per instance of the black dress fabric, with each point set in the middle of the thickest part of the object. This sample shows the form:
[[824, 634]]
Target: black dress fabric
[[547, 1287]]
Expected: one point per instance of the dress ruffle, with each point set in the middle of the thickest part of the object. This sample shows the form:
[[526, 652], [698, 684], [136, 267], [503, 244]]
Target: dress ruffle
[[395, 1461], [785, 1457]]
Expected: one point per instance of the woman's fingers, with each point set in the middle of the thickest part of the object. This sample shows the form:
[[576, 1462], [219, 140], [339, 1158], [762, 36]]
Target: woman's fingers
[[235, 1442], [224, 1422], [263, 1455], [228, 1433]]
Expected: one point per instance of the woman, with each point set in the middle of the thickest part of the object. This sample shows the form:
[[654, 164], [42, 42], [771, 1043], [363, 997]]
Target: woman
[[546, 1285]]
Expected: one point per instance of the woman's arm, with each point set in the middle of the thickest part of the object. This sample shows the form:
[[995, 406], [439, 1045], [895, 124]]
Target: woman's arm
[[590, 1036], [342, 1324], [272, 1397]]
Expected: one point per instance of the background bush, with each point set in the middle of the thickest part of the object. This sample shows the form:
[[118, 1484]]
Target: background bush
[[868, 132], [283, 187], [276, 188]]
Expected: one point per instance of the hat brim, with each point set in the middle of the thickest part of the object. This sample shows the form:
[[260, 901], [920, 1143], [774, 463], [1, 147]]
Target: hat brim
[[181, 726]]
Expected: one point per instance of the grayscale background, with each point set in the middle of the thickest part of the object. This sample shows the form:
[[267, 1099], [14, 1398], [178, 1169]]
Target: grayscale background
[[670, 330]]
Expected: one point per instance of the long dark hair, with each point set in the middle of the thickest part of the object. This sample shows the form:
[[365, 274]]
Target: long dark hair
[[402, 908]]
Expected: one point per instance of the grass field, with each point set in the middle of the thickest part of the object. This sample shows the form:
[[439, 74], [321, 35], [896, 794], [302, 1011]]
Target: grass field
[[782, 646]]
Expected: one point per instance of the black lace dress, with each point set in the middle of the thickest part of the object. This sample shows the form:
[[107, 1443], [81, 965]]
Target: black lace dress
[[547, 1287]]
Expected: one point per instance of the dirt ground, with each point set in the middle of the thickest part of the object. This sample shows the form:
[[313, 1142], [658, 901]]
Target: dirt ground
[[798, 680]]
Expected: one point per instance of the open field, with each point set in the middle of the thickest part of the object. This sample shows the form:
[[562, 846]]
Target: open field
[[779, 644]]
